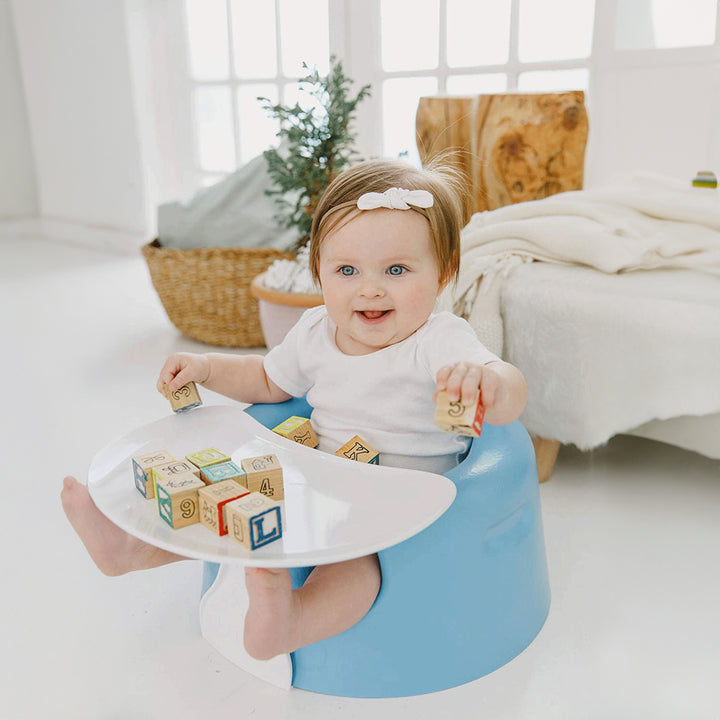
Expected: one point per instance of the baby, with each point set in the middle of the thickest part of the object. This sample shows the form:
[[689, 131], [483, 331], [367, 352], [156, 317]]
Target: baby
[[385, 242]]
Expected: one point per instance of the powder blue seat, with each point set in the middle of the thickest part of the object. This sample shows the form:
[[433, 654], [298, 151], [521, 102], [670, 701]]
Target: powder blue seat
[[458, 600]]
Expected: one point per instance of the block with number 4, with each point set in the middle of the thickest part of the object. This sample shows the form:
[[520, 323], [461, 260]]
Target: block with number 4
[[357, 449], [263, 474], [142, 467], [299, 430], [455, 417], [184, 398], [254, 520], [177, 499], [213, 500]]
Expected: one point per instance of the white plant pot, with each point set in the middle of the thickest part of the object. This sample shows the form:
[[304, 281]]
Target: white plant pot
[[279, 311]]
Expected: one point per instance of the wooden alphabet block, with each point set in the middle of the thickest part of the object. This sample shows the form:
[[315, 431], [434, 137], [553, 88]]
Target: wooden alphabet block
[[207, 457], [357, 449], [177, 499], [298, 429], [171, 469], [142, 467], [223, 471], [254, 520], [213, 500], [264, 474], [184, 398], [454, 417]]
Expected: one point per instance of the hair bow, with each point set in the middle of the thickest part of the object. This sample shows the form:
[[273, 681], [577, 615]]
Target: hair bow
[[395, 199]]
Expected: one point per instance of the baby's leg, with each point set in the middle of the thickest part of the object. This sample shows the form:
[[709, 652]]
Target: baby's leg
[[333, 599], [113, 550]]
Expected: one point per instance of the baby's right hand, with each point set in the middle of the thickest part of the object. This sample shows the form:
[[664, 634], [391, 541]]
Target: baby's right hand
[[181, 368]]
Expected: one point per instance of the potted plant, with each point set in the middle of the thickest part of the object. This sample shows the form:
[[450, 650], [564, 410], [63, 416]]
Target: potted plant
[[317, 143]]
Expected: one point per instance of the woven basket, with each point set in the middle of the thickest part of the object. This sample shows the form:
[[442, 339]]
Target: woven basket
[[206, 291]]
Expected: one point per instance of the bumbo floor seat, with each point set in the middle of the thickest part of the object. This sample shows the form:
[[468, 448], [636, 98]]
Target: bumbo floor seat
[[459, 599]]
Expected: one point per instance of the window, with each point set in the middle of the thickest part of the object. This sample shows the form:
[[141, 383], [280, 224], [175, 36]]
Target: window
[[475, 47], [239, 50]]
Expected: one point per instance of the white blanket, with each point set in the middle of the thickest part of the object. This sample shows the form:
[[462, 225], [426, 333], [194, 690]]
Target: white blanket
[[646, 223], [603, 351]]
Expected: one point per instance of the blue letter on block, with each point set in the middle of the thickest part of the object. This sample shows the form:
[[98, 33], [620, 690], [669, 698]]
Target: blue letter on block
[[222, 471], [265, 527]]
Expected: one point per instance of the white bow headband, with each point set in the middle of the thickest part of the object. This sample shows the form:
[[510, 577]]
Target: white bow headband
[[395, 199]]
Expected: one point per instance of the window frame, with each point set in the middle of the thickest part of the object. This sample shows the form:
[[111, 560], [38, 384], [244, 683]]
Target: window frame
[[354, 37]]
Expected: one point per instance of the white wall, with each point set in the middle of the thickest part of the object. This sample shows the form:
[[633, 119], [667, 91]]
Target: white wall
[[664, 119], [18, 196], [77, 79]]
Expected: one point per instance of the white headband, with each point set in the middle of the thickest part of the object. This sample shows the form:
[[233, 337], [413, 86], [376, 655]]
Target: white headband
[[395, 199]]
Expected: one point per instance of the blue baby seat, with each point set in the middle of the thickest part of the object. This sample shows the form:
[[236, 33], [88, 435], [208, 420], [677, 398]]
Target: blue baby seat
[[458, 600]]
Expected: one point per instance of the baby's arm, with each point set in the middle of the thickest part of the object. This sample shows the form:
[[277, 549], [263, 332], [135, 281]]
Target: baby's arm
[[501, 384], [240, 377]]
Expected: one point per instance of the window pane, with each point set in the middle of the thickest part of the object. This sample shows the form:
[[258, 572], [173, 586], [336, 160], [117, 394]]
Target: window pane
[[257, 129], [253, 26], [410, 34], [487, 83], [555, 29], [553, 80], [207, 39], [400, 101], [213, 119], [478, 33], [305, 36], [645, 24]]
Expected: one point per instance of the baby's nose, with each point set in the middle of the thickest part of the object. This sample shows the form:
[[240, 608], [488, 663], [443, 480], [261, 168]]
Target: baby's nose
[[372, 287]]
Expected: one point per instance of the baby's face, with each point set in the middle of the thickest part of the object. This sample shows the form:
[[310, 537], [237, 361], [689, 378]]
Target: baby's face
[[379, 278]]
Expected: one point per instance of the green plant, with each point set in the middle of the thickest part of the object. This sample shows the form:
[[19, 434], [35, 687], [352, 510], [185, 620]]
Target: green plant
[[316, 144]]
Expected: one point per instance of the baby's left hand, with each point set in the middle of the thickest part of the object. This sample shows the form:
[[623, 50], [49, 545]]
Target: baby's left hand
[[462, 380], [502, 387]]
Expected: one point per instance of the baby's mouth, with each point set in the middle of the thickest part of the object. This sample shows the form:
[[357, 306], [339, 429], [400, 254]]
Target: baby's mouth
[[373, 314]]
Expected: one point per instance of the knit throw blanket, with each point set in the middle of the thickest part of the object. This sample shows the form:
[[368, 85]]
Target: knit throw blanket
[[645, 223]]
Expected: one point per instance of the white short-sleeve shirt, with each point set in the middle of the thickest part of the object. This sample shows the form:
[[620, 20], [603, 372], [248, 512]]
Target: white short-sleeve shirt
[[385, 397]]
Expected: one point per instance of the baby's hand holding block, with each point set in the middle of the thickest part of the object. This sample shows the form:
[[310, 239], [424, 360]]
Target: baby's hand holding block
[[357, 449], [254, 520], [184, 398], [299, 430], [455, 417]]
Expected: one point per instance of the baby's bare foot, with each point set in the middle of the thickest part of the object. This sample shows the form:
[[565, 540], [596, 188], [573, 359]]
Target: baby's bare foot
[[114, 551], [272, 620]]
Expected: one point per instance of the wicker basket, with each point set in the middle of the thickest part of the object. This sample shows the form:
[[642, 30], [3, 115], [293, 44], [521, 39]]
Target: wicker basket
[[206, 291]]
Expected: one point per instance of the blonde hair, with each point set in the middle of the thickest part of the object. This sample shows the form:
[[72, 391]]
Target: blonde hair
[[446, 217]]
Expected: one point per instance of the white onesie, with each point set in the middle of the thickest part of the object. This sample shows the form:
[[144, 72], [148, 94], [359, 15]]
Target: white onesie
[[385, 397]]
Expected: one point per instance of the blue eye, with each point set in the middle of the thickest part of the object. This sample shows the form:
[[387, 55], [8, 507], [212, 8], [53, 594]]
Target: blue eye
[[396, 270], [347, 270]]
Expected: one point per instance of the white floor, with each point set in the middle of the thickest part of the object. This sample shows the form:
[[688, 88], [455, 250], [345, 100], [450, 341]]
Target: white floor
[[632, 533]]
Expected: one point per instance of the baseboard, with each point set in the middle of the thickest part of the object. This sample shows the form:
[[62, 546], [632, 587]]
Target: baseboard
[[124, 242], [700, 433]]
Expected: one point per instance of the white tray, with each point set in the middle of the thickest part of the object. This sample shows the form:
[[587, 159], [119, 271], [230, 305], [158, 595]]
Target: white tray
[[334, 509]]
